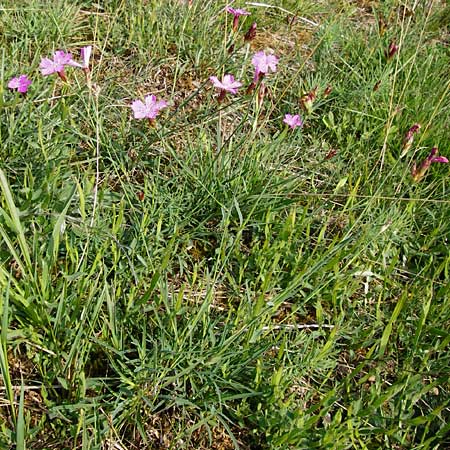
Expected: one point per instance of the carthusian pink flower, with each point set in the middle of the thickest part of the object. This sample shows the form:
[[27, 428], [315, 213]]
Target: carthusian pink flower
[[148, 110], [263, 64], [20, 83], [293, 121], [236, 13], [228, 84], [419, 173], [56, 65]]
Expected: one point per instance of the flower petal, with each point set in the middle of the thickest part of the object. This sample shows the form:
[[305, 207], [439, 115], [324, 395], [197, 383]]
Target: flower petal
[[13, 83], [139, 109]]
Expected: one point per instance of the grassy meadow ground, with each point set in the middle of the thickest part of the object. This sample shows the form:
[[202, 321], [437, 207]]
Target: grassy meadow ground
[[220, 281]]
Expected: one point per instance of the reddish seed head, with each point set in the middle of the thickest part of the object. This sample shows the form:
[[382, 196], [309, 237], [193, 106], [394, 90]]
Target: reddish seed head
[[331, 154], [261, 93], [409, 138]]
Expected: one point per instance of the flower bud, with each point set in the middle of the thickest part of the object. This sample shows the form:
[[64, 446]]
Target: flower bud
[[251, 33]]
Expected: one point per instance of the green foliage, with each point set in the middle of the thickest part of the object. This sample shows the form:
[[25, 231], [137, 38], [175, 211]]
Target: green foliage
[[219, 281]]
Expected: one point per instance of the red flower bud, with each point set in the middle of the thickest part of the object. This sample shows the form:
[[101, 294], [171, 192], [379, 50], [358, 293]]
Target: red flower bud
[[251, 33]]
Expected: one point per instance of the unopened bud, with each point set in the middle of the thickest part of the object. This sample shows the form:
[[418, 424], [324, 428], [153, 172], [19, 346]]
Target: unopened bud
[[409, 138], [392, 50], [261, 93], [419, 173], [251, 33]]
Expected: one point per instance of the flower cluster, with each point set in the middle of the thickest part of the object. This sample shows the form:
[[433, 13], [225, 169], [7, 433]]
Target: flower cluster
[[56, 64], [263, 64]]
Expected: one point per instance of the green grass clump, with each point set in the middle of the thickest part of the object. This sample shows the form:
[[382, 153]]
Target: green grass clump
[[220, 281]]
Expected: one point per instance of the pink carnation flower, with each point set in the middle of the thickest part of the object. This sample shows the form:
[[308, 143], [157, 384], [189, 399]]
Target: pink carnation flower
[[263, 64], [55, 65], [236, 13], [20, 83], [293, 121], [228, 84], [148, 110]]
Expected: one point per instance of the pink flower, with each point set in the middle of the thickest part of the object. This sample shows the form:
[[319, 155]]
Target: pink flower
[[20, 83], [228, 83], [293, 121], [236, 13], [148, 110], [60, 59], [419, 173], [263, 64], [56, 65]]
